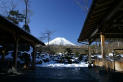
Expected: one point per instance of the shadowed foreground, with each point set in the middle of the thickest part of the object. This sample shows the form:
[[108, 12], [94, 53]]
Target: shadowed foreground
[[45, 74]]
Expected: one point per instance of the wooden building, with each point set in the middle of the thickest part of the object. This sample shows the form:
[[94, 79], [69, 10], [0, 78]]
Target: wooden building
[[11, 34], [104, 22]]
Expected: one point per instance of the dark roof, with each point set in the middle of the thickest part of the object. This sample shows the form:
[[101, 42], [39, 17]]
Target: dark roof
[[9, 29], [104, 16]]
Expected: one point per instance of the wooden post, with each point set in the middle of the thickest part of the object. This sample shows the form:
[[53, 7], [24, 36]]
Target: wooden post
[[16, 53], [102, 37], [34, 57], [89, 55], [114, 59], [3, 55]]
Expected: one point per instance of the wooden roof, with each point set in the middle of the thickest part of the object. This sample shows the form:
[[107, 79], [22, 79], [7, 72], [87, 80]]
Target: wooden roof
[[104, 16], [9, 32]]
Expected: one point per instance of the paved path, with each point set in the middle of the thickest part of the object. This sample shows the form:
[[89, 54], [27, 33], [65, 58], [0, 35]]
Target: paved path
[[52, 75]]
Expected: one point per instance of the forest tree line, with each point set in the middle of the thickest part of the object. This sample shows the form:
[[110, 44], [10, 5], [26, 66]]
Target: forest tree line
[[83, 49]]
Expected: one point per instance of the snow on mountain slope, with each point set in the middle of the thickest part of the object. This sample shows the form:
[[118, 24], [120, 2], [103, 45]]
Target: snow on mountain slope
[[60, 41]]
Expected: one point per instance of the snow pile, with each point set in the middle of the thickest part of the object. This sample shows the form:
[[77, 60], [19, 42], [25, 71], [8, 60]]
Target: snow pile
[[60, 41]]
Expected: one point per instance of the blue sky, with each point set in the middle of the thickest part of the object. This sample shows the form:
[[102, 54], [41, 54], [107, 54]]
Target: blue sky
[[64, 17]]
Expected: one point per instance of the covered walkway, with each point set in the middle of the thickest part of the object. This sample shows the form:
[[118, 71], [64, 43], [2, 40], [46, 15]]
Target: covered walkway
[[13, 38], [103, 23]]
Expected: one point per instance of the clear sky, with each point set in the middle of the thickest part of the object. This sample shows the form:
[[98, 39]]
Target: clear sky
[[64, 17]]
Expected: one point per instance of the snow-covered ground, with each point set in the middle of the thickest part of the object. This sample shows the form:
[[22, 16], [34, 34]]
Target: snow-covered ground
[[9, 56], [53, 61], [82, 64], [121, 55], [60, 60]]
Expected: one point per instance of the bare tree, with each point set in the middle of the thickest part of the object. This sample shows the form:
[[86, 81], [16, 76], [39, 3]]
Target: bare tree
[[26, 9], [26, 26], [6, 6], [47, 35], [83, 4], [43, 36], [3, 7]]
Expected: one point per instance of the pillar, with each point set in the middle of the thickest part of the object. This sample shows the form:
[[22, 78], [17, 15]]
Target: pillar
[[3, 55], [34, 57], [16, 53], [102, 37], [89, 55]]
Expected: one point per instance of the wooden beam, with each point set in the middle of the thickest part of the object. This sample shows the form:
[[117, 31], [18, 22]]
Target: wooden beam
[[94, 33], [97, 15], [99, 4], [102, 10], [117, 8]]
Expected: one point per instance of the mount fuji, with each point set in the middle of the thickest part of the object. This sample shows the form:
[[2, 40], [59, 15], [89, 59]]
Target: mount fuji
[[60, 41]]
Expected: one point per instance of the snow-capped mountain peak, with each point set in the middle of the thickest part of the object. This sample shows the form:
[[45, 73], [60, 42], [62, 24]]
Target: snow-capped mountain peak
[[60, 41]]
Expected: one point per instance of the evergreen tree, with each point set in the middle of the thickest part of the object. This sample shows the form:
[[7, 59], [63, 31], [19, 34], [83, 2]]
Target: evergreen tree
[[15, 16], [26, 28], [68, 51]]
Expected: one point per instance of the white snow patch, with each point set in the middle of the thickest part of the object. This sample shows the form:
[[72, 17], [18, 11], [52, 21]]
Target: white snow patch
[[121, 55], [9, 56], [53, 64], [110, 59], [46, 56], [99, 56], [110, 54], [28, 52], [60, 53]]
